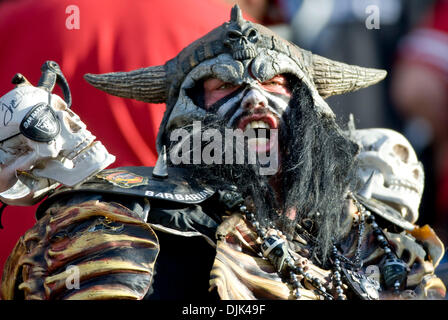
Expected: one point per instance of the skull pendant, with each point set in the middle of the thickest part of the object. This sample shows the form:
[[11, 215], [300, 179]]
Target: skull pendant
[[276, 250]]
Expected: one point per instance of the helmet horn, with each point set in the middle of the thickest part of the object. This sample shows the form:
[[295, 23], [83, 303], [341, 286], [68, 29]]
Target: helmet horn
[[145, 84], [332, 77]]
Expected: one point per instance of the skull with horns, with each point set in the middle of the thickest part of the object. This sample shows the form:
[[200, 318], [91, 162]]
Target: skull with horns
[[238, 52], [43, 143]]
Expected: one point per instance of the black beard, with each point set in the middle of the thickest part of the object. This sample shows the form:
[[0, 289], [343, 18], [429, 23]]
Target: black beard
[[317, 169]]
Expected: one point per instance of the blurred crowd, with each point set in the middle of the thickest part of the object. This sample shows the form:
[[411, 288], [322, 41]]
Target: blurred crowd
[[409, 40]]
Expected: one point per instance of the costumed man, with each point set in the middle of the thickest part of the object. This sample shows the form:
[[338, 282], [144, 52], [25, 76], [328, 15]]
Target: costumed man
[[292, 224]]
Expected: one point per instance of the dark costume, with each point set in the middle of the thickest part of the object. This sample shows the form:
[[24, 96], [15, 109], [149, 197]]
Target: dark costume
[[201, 230]]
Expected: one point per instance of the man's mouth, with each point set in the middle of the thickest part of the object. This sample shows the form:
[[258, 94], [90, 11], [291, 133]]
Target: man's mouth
[[261, 124]]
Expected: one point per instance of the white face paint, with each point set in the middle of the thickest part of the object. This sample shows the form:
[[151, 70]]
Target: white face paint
[[255, 106], [47, 141], [251, 99], [398, 175], [261, 111], [267, 65]]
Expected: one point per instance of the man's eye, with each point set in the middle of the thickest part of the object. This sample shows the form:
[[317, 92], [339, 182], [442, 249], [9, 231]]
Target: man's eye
[[272, 83], [226, 86]]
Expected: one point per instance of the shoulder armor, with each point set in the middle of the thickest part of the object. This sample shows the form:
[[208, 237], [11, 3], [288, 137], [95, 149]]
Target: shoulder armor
[[138, 181]]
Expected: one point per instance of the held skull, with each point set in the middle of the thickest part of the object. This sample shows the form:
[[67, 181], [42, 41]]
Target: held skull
[[398, 176], [74, 153], [41, 136]]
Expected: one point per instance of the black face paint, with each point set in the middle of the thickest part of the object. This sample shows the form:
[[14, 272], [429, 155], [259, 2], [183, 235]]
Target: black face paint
[[277, 102], [285, 98], [215, 107]]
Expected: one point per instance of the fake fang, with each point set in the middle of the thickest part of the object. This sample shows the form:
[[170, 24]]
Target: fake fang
[[210, 311]]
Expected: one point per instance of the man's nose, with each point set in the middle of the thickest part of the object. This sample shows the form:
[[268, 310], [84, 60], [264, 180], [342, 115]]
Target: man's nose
[[254, 99]]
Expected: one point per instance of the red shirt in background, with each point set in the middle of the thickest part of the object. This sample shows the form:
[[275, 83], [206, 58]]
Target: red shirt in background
[[113, 35]]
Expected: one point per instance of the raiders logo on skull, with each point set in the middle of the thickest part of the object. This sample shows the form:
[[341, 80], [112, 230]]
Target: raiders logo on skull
[[40, 124]]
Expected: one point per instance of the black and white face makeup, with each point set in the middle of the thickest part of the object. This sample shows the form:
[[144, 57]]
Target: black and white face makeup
[[259, 105]]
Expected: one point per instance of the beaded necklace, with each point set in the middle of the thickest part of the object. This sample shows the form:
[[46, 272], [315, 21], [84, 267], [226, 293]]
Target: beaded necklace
[[275, 249]]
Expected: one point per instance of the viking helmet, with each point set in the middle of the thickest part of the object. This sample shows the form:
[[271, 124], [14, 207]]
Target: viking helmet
[[237, 51]]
